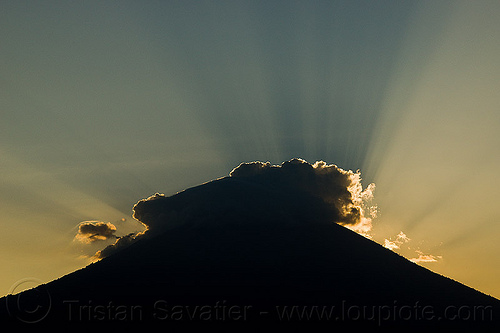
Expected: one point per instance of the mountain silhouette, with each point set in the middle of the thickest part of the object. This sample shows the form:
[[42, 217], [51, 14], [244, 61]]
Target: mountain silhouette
[[242, 253]]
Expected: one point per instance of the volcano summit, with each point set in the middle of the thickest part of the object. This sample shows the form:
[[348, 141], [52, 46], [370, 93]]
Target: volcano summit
[[267, 245]]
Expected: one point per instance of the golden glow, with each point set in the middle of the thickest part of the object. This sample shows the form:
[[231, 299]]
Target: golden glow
[[432, 154]]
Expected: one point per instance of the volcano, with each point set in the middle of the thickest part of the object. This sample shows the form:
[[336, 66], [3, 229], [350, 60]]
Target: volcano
[[250, 251]]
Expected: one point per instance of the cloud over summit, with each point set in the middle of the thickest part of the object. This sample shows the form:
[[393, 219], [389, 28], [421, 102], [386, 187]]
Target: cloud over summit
[[340, 189], [258, 194]]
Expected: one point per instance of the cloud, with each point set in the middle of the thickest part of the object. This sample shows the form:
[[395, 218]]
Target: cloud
[[391, 245], [121, 243], [340, 189], [296, 189], [425, 258], [401, 238], [92, 231], [259, 194]]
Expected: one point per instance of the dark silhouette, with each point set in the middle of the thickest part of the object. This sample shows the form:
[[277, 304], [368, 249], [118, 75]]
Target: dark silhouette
[[247, 254]]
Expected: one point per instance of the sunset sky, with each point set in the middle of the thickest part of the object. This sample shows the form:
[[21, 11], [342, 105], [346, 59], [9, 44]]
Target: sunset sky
[[105, 103]]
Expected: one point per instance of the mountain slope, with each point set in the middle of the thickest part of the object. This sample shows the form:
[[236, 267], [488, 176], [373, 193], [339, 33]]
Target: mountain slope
[[250, 254]]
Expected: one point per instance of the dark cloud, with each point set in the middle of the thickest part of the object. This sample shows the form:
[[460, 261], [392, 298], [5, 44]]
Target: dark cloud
[[259, 194], [330, 183], [91, 231], [121, 243]]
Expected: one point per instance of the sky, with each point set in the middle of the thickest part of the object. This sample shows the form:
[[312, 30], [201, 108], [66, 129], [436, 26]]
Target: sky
[[103, 104]]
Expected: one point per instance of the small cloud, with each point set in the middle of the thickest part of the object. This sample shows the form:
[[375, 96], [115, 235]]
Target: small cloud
[[121, 243], [92, 231], [391, 245], [401, 238], [425, 257]]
